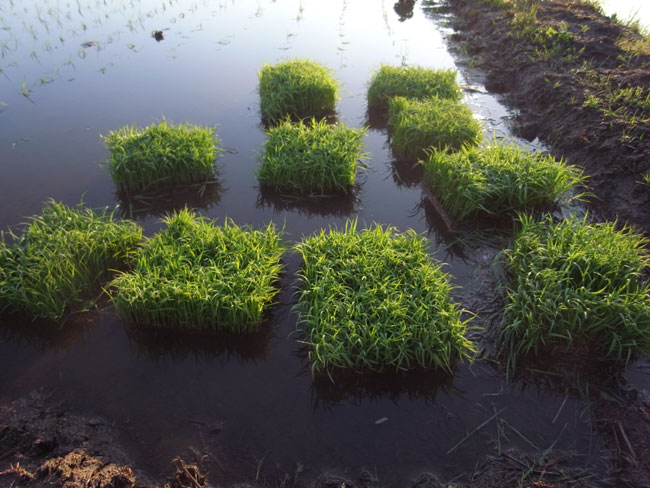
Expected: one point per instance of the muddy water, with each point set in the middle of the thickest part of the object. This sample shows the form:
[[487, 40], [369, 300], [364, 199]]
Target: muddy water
[[73, 71]]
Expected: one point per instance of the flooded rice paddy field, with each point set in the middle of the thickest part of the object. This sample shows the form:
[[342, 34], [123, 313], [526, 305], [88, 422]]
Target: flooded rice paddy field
[[72, 70]]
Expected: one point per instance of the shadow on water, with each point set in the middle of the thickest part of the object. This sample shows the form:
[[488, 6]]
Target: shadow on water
[[156, 343], [377, 118], [312, 205], [44, 335], [201, 196], [357, 388], [406, 174]]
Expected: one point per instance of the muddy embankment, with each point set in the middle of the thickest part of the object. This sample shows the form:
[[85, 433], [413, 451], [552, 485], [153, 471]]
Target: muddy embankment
[[579, 82]]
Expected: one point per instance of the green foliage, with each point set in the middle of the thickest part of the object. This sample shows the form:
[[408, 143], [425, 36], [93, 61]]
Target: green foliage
[[410, 82], [628, 104], [497, 178], [299, 88], [62, 253], [197, 275], [433, 122], [374, 301], [572, 283], [161, 155], [311, 157]]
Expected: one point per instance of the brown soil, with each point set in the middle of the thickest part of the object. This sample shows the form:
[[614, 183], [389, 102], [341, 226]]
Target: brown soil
[[549, 96], [42, 445]]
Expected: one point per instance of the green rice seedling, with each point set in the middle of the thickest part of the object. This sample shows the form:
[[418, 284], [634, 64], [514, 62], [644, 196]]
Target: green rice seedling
[[496, 179], [62, 253], [312, 157], [372, 301], [299, 88], [410, 82], [433, 122], [575, 283], [161, 155], [198, 275]]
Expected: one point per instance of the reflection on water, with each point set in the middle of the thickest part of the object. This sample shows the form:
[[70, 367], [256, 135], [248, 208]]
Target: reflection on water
[[181, 344], [91, 66], [336, 206], [355, 389], [200, 197]]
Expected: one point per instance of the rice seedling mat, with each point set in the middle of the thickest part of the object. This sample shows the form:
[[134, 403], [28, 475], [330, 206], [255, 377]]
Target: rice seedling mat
[[63, 252], [161, 155], [496, 179], [416, 125], [573, 282], [414, 82], [311, 157], [195, 274], [299, 88], [373, 301]]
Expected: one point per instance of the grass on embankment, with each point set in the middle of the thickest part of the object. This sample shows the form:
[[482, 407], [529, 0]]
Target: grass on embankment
[[373, 301], [496, 179], [161, 155], [573, 283], [410, 82], [194, 274], [299, 88], [312, 157], [416, 125], [607, 60], [63, 252]]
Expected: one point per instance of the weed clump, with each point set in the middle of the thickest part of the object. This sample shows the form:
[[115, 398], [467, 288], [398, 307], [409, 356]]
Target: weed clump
[[372, 301], [63, 252], [433, 122], [161, 155], [313, 157], [571, 283], [194, 274], [299, 88], [496, 179], [410, 82]]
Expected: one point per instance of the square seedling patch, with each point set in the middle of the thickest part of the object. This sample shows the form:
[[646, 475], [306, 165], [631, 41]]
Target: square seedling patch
[[62, 254], [574, 283], [410, 82], [312, 157], [373, 301], [416, 125], [497, 179], [197, 275], [299, 88], [161, 155]]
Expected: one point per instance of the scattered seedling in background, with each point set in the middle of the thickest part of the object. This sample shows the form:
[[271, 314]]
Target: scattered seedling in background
[[441, 123], [63, 252], [311, 157], [299, 88], [496, 179], [161, 155], [194, 274], [372, 301], [572, 282]]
